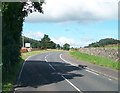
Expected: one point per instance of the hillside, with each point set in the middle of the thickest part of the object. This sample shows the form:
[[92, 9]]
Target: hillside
[[104, 42], [34, 43]]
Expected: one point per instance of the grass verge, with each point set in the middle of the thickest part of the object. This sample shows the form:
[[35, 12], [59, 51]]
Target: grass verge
[[10, 77], [96, 60]]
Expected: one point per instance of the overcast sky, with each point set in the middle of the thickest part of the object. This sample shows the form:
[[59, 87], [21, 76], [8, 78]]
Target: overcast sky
[[77, 22]]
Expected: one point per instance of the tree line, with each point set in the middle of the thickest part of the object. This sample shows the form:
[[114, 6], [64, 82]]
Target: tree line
[[45, 43]]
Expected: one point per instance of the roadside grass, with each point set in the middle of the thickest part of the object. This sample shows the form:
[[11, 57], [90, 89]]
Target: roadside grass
[[10, 77], [98, 60], [26, 55]]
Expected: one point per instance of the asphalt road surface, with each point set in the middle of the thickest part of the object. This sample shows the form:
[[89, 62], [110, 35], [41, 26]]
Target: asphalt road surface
[[51, 72]]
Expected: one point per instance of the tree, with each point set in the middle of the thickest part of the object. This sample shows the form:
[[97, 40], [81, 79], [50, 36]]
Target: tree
[[58, 46], [52, 45], [13, 15], [45, 42], [66, 46]]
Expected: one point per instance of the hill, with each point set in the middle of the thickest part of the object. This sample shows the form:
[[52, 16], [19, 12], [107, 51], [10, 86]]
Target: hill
[[104, 42]]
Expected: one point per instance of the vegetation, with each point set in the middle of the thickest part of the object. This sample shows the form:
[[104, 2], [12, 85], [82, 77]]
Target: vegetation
[[74, 49], [104, 42], [66, 46], [96, 60], [34, 43], [58, 46], [26, 55], [114, 46], [9, 81], [13, 15], [46, 43]]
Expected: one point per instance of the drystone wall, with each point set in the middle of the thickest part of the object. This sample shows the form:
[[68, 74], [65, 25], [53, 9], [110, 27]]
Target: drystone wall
[[104, 52]]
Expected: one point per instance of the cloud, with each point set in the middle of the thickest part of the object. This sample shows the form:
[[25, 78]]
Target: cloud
[[76, 10], [85, 41], [34, 35], [73, 43], [63, 40]]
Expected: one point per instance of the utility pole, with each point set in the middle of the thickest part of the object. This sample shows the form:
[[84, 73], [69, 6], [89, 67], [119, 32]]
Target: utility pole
[[23, 40]]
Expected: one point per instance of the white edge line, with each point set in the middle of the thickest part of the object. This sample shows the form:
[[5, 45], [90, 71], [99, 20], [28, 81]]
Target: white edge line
[[20, 72], [23, 67], [66, 61], [95, 72], [105, 75], [91, 72]]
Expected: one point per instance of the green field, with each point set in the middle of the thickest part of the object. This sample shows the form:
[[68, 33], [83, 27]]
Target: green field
[[96, 60], [11, 77]]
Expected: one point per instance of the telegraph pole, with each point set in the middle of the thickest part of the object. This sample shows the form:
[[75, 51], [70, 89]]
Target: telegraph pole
[[23, 40]]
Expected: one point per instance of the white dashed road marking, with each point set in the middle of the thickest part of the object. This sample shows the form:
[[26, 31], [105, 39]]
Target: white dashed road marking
[[63, 76], [72, 84]]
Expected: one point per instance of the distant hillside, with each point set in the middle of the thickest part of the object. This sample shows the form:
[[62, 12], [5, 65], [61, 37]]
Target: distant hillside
[[34, 43], [104, 42]]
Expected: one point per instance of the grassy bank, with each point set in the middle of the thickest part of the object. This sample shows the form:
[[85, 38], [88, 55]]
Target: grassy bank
[[96, 60], [113, 47], [26, 55], [10, 77]]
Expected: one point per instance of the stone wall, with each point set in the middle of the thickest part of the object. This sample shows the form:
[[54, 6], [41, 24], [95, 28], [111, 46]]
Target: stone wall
[[104, 52]]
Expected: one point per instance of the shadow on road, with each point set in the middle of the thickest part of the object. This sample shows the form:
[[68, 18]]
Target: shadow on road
[[39, 73]]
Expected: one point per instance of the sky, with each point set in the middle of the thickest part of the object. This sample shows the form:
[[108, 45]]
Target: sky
[[76, 22]]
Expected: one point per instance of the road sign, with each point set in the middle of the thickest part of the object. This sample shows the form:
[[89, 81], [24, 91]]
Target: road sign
[[27, 44]]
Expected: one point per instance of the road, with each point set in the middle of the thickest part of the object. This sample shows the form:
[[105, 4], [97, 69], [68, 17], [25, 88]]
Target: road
[[51, 72]]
